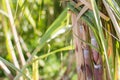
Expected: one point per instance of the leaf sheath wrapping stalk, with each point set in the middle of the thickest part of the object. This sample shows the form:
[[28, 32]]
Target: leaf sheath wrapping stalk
[[86, 51], [97, 60], [88, 67], [78, 49]]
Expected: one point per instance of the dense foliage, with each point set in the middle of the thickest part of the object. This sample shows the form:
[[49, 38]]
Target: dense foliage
[[40, 39]]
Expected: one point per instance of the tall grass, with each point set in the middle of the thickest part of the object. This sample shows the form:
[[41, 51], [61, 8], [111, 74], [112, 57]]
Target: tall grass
[[96, 39]]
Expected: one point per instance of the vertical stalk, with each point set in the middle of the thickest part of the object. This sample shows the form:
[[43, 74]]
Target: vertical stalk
[[117, 62], [86, 52], [118, 72], [6, 70], [15, 35], [9, 45], [78, 49], [97, 60], [35, 75]]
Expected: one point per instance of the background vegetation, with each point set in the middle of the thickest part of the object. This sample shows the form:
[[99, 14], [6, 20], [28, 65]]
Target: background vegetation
[[34, 20]]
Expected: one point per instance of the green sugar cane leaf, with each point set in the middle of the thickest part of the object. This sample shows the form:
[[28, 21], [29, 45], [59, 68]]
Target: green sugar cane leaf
[[56, 25], [28, 15], [53, 52], [98, 25], [44, 56], [101, 34], [115, 7], [13, 67]]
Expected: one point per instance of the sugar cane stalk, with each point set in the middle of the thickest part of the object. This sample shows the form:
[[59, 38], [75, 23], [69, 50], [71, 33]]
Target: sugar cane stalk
[[82, 52], [86, 52], [78, 49], [97, 60]]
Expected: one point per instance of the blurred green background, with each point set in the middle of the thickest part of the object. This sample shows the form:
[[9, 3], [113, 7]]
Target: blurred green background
[[32, 19]]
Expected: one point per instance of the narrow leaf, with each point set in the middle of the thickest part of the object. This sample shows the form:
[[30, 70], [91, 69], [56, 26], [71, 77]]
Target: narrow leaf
[[13, 67]]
